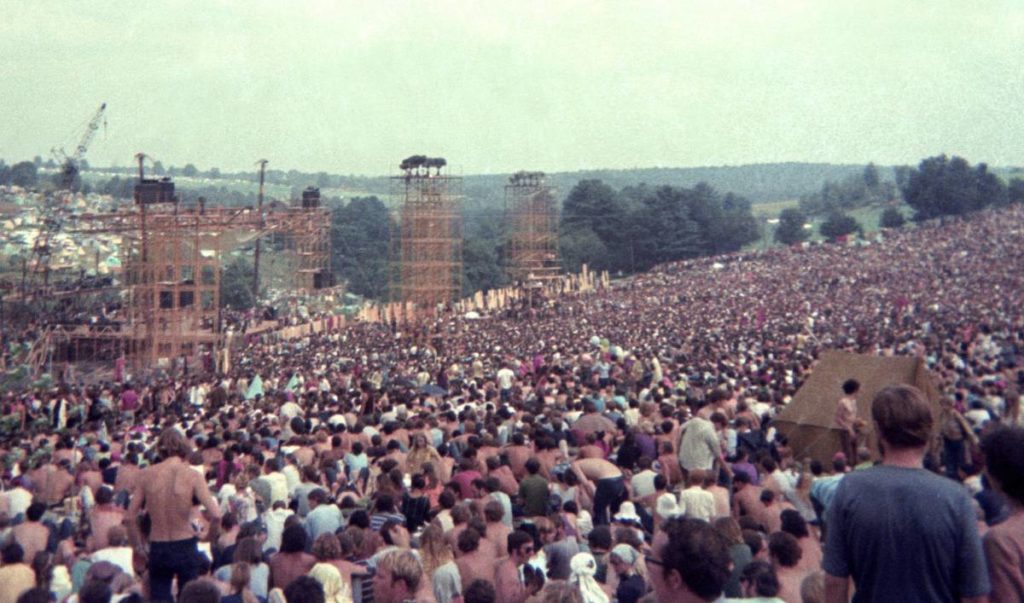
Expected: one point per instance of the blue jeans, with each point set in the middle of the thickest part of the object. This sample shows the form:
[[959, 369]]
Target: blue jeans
[[609, 495], [169, 559]]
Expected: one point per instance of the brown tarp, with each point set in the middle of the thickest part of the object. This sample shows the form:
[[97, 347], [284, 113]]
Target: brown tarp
[[809, 418]]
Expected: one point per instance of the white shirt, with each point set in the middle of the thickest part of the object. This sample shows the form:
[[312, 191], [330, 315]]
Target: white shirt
[[274, 519], [643, 483], [18, 501], [697, 503], [505, 377]]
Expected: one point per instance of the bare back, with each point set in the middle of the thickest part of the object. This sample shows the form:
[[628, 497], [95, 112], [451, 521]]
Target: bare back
[[167, 490]]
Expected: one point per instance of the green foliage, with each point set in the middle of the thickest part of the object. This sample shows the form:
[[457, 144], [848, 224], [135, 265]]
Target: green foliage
[[639, 227], [856, 190], [23, 174], [791, 227], [839, 224], [948, 187], [481, 269], [190, 171], [359, 246], [580, 246], [891, 218], [1015, 191], [236, 284]]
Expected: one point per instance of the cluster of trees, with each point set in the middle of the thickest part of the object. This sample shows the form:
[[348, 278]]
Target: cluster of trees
[[941, 187], [24, 174], [633, 229], [360, 234], [856, 190]]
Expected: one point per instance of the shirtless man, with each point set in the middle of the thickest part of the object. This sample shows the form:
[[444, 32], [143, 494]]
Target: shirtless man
[[31, 534], [497, 532], [508, 584], [518, 453], [609, 486], [473, 562], [166, 491], [747, 499], [103, 516], [54, 482]]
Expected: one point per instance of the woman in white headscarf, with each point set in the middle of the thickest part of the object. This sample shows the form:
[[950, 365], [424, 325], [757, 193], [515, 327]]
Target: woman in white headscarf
[[583, 566]]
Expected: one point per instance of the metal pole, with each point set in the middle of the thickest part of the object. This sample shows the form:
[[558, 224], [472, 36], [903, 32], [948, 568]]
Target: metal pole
[[256, 256]]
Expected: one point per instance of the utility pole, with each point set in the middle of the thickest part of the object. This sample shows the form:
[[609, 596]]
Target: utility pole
[[256, 256]]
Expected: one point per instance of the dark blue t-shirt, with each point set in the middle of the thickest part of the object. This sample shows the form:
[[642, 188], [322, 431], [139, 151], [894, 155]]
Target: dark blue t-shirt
[[904, 535]]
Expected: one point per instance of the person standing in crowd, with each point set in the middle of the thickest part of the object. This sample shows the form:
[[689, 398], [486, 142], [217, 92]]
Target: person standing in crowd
[[897, 530], [847, 421], [1004, 543], [166, 491]]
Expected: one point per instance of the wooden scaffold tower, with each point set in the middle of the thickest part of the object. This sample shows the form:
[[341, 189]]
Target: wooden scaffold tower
[[172, 267], [532, 218], [427, 253]]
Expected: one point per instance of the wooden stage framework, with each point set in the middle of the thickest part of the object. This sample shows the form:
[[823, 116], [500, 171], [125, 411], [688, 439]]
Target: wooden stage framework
[[532, 223], [171, 258], [426, 242]]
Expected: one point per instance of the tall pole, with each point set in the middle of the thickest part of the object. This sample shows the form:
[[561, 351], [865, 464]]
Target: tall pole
[[256, 256]]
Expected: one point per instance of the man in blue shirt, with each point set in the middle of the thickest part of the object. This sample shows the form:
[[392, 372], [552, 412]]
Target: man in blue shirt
[[901, 532]]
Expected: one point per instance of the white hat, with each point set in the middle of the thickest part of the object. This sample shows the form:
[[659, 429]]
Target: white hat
[[627, 512], [667, 507]]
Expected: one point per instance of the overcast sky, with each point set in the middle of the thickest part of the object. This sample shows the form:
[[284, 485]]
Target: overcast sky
[[353, 87]]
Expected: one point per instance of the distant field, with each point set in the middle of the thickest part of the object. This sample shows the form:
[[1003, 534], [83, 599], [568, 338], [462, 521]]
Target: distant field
[[867, 217]]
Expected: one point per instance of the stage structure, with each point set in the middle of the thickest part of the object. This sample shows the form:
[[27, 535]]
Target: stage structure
[[532, 218], [426, 262], [172, 269]]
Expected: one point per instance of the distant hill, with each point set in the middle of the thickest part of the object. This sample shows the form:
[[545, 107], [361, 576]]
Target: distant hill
[[760, 183]]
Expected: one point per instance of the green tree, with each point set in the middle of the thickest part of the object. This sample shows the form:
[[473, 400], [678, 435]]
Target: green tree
[[871, 178], [595, 206], [891, 218], [947, 187], [214, 173], [236, 284], [24, 174], [837, 225], [359, 246], [791, 227], [1015, 191], [480, 267], [580, 246], [189, 171]]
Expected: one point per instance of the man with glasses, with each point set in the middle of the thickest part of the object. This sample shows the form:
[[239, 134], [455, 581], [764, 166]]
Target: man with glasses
[[689, 562], [508, 580]]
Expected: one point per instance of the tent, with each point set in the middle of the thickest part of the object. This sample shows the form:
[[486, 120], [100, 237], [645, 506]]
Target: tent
[[809, 418]]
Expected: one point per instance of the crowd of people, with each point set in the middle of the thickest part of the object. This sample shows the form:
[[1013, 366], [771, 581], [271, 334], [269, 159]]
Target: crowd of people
[[611, 446]]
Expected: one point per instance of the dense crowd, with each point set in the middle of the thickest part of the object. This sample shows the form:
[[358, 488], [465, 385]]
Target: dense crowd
[[611, 446]]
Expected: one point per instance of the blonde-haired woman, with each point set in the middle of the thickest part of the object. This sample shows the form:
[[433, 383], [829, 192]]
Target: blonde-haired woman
[[439, 563], [336, 590]]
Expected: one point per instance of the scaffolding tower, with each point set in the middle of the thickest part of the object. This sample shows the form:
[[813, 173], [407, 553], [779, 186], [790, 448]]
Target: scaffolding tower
[[427, 252], [172, 268], [532, 218]]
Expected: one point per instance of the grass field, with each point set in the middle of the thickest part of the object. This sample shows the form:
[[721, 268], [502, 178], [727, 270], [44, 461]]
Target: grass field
[[867, 217]]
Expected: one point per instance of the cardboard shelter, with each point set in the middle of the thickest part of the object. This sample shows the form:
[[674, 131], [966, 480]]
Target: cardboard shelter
[[809, 418]]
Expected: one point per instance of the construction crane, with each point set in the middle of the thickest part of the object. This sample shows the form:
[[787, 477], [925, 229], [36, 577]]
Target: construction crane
[[70, 165], [49, 219]]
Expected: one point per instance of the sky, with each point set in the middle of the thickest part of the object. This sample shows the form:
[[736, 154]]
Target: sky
[[495, 87]]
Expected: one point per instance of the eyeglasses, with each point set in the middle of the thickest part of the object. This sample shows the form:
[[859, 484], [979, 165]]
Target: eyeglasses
[[652, 560]]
